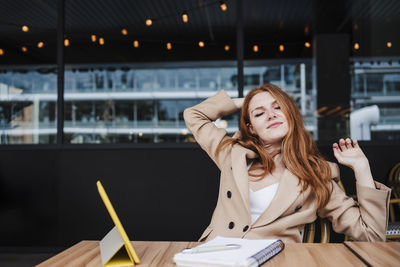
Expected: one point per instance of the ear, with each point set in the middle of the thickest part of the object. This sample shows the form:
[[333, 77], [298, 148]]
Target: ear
[[251, 129]]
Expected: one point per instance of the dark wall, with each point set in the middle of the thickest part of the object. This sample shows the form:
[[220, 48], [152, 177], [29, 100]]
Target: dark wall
[[48, 195]]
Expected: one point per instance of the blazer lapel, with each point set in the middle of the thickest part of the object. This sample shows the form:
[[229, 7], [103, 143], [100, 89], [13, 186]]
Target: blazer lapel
[[288, 190], [240, 172]]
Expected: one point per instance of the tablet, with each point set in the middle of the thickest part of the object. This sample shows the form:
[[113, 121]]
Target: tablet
[[129, 248]]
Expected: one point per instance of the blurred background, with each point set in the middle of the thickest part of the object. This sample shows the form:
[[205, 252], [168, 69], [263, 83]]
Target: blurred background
[[97, 88]]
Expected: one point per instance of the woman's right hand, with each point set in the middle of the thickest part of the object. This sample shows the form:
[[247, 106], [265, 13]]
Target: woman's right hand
[[238, 102]]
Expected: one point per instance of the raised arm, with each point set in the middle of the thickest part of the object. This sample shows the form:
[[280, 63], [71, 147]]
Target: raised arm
[[199, 120], [367, 219]]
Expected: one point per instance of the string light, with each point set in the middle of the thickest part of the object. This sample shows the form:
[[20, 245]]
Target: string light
[[223, 5], [356, 46], [136, 43], [25, 28], [281, 48], [1, 52], [94, 38], [124, 32], [149, 22], [255, 48], [389, 44], [66, 42], [24, 49], [40, 44], [227, 48], [201, 44], [307, 44], [169, 46], [101, 41], [185, 18], [306, 30]]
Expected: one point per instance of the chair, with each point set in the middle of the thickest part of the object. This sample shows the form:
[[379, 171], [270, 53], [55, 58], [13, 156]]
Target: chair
[[309, 231], [393, 230]]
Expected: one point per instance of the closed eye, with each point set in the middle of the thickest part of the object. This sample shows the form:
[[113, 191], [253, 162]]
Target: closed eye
[[277, 107], [258, 114]]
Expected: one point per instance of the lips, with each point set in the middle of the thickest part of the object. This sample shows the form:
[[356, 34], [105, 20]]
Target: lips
[[274, 125]]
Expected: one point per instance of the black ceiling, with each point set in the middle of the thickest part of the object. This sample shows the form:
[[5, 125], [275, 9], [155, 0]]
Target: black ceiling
[[266, 22]]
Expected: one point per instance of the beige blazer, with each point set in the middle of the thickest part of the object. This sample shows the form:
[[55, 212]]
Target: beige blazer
[[289, 210]]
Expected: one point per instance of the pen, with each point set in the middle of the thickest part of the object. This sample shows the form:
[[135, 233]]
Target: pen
[[211, 248]]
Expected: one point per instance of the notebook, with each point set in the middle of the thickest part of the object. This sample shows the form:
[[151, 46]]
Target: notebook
[[247, 252], [115, 248]]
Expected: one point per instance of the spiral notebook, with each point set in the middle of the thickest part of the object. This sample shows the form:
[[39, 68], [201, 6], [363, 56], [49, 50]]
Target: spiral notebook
[[243, 252]]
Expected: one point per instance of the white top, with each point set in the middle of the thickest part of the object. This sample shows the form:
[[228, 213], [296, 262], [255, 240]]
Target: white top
[[260, 200]]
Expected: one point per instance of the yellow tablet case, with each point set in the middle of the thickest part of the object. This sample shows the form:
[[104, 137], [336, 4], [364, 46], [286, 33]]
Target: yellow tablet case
[[115, 247]]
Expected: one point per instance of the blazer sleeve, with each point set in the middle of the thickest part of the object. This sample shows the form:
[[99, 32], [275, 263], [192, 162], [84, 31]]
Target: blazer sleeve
[[199, 120], [363, 221]]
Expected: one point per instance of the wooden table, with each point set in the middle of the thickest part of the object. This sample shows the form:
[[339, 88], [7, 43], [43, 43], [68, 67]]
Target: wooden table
[[87, 253]]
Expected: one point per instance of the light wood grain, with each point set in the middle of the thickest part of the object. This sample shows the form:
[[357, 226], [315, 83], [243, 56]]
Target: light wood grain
[[87, 253], [378, 254]]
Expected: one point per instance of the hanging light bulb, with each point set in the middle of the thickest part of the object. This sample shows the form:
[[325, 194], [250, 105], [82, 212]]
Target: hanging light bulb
[[149, 22], [223, 5], [389, 44], [226, 47], [201, 44], [307, 44], [281, 48], [40, 44], [101, 41], [94, 38], [169, 46], [25, 28], [255, 48], [356, 46], [136, 43], [24, 49], [185, 17], [1, 52], [124, 32], [66, 42]]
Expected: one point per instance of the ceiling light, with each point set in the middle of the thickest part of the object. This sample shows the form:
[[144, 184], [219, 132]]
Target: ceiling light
[[185, 18], [24, 49], [223, 5], [356, 46], [201, 44], [227, 48], [25, 28], [281, 48], [140, 134], [136, 43], [101, 40], [307, 44], [389, 44], [255, 48], [149, 22], [93, 37], [124, 32], [1, 52], [40, 44], [169, 46]]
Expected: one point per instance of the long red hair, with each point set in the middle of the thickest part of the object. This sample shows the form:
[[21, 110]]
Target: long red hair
[[299, 150]]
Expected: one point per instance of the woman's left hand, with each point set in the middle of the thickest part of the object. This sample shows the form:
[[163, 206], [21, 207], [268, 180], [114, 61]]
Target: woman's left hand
[[349, 153]]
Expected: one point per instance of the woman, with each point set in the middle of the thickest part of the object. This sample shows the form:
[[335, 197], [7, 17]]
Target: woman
[[274, 180]]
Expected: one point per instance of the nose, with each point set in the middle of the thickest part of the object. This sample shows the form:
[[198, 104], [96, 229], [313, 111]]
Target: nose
[[271, 115]]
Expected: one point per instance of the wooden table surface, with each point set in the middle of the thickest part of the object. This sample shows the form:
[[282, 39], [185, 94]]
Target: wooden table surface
[[151, 253]]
